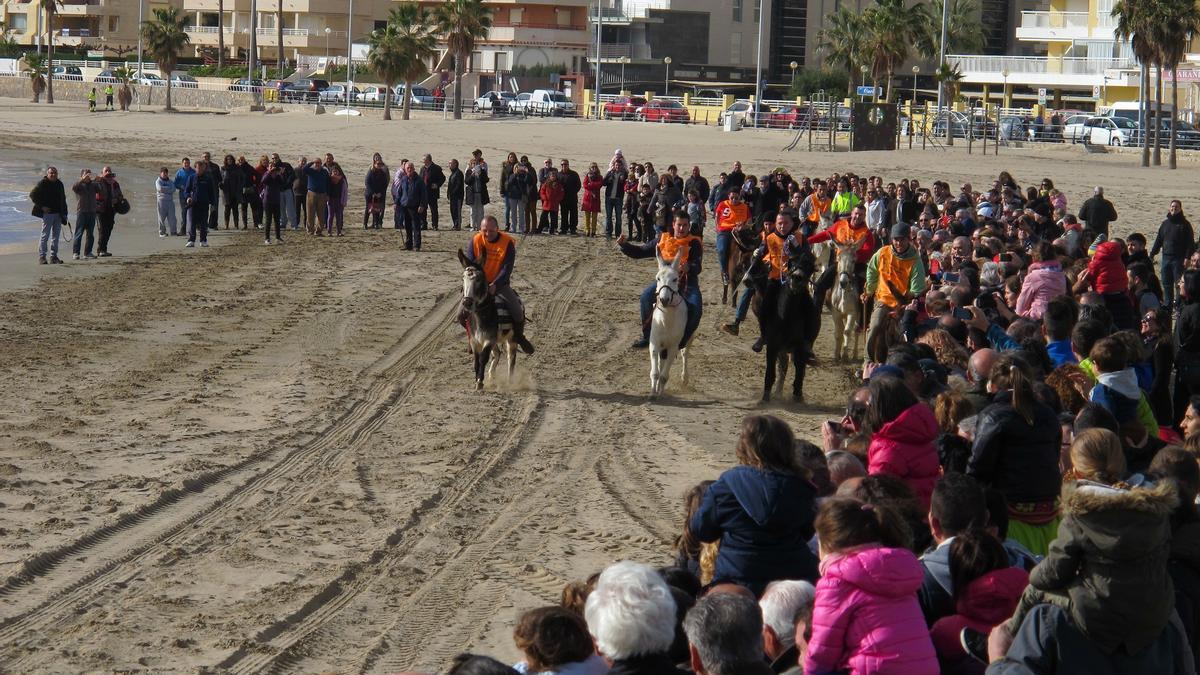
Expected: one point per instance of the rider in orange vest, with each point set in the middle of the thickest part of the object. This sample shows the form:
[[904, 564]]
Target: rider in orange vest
[[497, 252], [895, 276], [669, 244], [730, 213], [777, 246], [845, 231]]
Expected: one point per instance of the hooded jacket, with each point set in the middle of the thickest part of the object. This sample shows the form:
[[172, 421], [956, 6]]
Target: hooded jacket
[[1175, 239], [1110, 558], [866, 620], [1119, 394], [764, 520], [985, 603], [905, 448], [1044, 282], [1017, 458], [1107, 270]]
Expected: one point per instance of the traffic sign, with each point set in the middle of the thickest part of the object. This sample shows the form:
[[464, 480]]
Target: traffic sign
[[1095, 91], [867, 91], [1042, 96]]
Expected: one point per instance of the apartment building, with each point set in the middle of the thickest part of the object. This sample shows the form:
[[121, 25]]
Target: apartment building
[[110, 25]]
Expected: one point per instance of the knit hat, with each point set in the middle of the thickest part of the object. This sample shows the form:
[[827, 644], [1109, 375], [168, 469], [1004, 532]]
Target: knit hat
[[901, 231]]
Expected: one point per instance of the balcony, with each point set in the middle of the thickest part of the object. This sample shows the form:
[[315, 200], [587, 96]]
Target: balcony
[[85, 8], [610, 53], [1064, 26], [1039, 71], [626, 11]]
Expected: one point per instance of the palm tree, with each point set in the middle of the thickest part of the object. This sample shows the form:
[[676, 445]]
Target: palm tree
[[165, 37], [1133, 25], [842, 42], [964, 34], [461, 23], [124, 75], [36, 65], [949, 76], [1179, 22], [416, 44], [892, 28], [386, 61], [51, 8]]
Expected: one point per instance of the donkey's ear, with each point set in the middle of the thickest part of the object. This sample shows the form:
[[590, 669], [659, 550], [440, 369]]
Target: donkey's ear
[[677, 260], [464, 260], [658, 257]]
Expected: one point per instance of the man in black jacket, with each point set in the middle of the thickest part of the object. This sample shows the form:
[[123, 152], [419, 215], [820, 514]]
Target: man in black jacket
[[376, 188], [698, 183], [434, 179], [569, 208], [455, 190], [1096, 213], [50, 204], [1177, 241]]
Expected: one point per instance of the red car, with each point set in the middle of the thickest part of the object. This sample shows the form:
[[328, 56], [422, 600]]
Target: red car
[[623, 107], [664, 110], [790, 117]]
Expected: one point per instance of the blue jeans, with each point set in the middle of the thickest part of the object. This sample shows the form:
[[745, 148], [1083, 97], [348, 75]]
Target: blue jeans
[[612, 217], [51, 231], [508, 214], [287, 209], [516, 206], [198, 220], [724, 239], [691, 297], [743, 307], [85, 225], [1171, 271]]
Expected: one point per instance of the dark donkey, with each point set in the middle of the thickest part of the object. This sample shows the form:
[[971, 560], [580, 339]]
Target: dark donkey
[[489, 327], [789, 324], [744, 242]]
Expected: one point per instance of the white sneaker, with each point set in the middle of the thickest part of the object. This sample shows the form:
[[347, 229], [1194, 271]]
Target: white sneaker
[[190, 244], [161, 235], [75, 256], [204, 244], [267, 242]]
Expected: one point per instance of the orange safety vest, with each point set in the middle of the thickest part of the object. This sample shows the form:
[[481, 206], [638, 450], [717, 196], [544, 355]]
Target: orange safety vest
[[730, 216], [669, 246], [490, 254], [775, 255], [819, 207], [896, 270]]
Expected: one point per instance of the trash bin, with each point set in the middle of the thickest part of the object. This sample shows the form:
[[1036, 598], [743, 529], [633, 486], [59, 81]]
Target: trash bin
[[731, 123]]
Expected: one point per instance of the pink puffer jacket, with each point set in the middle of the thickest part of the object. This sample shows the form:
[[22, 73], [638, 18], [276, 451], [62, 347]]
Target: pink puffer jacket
[[866, 619], [1044, 282], [904, 448]]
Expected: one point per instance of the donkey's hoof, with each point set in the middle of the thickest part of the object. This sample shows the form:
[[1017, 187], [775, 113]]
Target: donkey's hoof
[[798, 398], [478, 385]]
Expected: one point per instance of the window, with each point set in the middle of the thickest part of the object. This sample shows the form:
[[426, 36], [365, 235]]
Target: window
[[737, 10], [735, 48], [18, 23], [564, 17], [114, 24], [515, 15]]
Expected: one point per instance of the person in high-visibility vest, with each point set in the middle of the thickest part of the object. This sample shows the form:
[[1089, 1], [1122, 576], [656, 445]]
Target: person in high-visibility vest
[[108, 95], [92, 100], [895, 275], [690, 249]]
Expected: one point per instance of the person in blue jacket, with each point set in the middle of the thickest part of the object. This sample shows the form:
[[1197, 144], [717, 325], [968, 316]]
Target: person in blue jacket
[[762, 510]]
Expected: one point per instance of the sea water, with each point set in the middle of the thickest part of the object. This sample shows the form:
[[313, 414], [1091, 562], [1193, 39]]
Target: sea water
[[16, 225]]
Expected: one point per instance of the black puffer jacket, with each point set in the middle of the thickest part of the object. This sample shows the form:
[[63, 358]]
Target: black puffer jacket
[[1110, 558], [1017, 458]]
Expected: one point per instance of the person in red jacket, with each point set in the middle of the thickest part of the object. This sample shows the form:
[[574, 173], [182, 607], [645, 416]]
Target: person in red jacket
[[903, 431], [1106, 275], [592, 182], [845, 231], [551, 194]]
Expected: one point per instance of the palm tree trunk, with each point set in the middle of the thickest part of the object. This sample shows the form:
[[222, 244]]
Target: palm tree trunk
[[50, 54], [1144, 100], [221, 34], [279, 35], [850, 82], [168, 108], [1175, 110], [458, 74], [387, 101], [406, 105], [1158, 95]]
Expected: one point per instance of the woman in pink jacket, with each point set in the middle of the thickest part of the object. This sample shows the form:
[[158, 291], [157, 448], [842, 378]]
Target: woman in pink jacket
[[1044, 282], [592, 182], [903, 435], [866, 619]]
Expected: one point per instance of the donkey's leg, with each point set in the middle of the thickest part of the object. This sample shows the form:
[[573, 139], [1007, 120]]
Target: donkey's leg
[[512, 359], [782, 360], [800, 360], [683, 359], [838, 342], [664, 372], [855, 324], [769, 376], [655, 365]]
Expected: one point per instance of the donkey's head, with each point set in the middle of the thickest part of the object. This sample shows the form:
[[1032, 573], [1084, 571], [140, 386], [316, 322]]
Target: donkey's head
[[667, 281], [846, 258], [475, 287]]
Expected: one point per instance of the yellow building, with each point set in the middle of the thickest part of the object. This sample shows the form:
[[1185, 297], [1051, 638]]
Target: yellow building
[[110, 25]]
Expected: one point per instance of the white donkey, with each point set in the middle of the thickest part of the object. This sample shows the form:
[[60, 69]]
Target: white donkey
[[844, 304], [666, 325]]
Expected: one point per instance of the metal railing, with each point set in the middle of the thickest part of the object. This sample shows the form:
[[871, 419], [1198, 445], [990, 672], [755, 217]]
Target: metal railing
[[292, 32], [1053, 19], [1070, 65]]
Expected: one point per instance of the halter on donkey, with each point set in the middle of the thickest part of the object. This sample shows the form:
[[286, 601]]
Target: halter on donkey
[[845, 306], [667, 324], [488, 323]]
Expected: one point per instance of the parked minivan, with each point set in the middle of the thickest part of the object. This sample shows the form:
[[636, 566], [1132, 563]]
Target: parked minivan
[[549, 102], [1129, 110]]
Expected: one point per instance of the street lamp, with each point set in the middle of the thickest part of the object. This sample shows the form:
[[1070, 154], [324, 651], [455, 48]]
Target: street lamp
[[327, 32], [793, 65], [863, 69], [916, 71], [141, 4], [667, 76], [623, 60], [1004, 99], [253, 40], [912, 107]]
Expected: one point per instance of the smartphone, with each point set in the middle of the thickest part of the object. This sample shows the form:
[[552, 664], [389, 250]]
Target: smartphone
[[962, 314]]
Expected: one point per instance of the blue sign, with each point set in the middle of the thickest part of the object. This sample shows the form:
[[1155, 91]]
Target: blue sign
[[867, 91]]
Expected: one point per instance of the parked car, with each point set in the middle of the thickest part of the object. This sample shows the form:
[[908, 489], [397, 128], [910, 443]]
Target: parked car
[[663, 110], [1014, 128], [336, 93], [107, 76], [1115, 131], [151, 80], [421, 97], [519, 104], [623, 107], [962, 124], [246, 84], [1187, 136], [184, 80], [497, 100], [68, 73], [741, 113], [305, 90], [547, 102], [791, 117], [1073, 127], [374, 94]]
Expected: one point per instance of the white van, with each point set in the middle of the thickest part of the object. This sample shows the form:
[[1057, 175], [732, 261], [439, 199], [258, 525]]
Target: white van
[[549, 102], [1129, 110]]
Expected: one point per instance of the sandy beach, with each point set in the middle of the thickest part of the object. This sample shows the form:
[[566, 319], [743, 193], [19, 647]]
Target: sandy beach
[[251, 458]]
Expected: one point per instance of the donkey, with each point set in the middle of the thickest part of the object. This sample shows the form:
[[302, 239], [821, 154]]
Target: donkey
[[489, 327], [788, 327], [667, 325], [844, 304], [737, 261]]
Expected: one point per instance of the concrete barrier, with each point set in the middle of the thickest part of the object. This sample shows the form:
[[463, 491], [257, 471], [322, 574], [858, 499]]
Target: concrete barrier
[[75, 92]]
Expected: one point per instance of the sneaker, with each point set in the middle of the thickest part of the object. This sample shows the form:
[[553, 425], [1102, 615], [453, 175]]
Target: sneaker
[[75, 256], [204, 244], [267, 242], [190, 244], [41, 260], [640, 343], [89, 256], [731, 328], [54, 260], [975, 644], [104, 254], [161, 235]]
